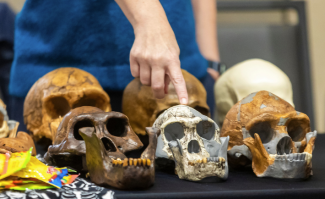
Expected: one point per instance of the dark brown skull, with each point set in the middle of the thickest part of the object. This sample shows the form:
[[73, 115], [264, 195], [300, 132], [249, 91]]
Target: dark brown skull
[[112, 128], [111, 166]]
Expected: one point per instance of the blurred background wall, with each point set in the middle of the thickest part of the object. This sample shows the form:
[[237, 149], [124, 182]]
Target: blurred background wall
[[316, 31]]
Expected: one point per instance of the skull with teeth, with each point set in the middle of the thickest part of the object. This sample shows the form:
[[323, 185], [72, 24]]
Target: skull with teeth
[[193, 141], [55, 94], [113, 167], [115, 141], [270, 134], [112, 128]]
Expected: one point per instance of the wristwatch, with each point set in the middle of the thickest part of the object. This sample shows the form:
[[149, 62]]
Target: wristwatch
[[218, 66]]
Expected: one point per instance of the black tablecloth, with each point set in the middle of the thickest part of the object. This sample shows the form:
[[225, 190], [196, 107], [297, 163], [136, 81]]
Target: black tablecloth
[[240, 184]]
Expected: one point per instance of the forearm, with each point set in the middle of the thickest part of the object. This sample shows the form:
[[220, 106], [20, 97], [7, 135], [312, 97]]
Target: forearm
[[143, 13], [205, 13]]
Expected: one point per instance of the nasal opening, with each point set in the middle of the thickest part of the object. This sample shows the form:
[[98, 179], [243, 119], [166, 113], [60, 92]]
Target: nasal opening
[[193, 147], [109, 146], [284, 146]]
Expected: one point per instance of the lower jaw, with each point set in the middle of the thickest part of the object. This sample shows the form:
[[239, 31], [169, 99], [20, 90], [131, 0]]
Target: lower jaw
[[290, 166], [200, 171]]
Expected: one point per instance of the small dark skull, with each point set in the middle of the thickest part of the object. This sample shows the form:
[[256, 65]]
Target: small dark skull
[[112, 128]]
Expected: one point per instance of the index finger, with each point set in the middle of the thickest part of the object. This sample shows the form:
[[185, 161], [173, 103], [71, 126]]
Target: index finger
[[177, 79]]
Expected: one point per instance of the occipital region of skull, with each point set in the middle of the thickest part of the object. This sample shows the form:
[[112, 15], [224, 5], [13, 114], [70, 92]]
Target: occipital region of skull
[[193, 141], [270, 134]]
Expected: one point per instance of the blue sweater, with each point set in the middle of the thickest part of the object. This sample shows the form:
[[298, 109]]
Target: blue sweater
[[93, 35]]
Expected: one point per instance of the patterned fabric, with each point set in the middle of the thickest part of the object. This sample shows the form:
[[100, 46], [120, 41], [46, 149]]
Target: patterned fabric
[[79, 189]]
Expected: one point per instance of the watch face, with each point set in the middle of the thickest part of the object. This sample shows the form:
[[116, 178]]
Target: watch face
[[218, 66], [222, 68]]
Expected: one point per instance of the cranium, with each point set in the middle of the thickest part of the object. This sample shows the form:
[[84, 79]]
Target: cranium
[[268, 132], [112, 128], [55, 94], [245, 78], [8, 128], [192, 141], [143, 108]]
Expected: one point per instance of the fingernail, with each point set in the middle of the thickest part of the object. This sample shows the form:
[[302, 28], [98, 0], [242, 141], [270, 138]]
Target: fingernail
[[183, 101]]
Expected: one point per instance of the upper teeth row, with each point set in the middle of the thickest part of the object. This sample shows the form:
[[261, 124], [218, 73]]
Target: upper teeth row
[[131, 162], [205, 160]]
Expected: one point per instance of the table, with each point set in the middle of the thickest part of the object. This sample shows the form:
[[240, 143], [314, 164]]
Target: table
[[240, 184]]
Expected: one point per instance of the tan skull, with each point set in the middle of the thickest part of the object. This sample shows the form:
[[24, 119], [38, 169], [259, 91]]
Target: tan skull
[[55, 94], [142, 108], [268, 132], [246, 77]]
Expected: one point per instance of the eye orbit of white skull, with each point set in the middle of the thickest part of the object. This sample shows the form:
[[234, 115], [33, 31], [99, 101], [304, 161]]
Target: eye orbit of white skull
[[247, 77], [193, 141]]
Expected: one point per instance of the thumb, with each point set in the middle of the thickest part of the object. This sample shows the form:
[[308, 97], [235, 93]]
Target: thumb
[[177, 79]]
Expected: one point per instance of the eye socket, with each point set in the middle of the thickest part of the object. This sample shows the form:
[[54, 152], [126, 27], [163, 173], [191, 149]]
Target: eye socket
[[174, 131], [264, 130], [206, 129], [117, 126], [295, 130], [202, 110], [80, 124], [56, 107]]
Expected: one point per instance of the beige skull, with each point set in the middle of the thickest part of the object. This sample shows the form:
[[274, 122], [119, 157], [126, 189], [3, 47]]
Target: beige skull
[[268, 132], [55, 94], [193, 141], [142, 108], [247, 77]]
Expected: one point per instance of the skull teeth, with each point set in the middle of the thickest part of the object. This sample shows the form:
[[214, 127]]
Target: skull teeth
[[206, 160], [131, 162], [291, 157]]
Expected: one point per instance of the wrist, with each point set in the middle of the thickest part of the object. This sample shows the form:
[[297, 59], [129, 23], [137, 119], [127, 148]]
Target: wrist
[[217, 66]]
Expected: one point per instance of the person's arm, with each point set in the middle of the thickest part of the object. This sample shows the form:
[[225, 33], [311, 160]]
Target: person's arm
[[205, 13], [154, 56]]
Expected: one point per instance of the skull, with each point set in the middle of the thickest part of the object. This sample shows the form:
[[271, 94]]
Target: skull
[[8, 128], [268, 132], [143, 108], [112, 129], [55, 94], [192, 141], [110, 165], [247, 77]]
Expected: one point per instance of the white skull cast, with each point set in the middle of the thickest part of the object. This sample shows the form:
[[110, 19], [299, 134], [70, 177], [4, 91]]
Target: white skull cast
[[8, 128], [193, 141], [55, 94], [247, 77], [268, 133]]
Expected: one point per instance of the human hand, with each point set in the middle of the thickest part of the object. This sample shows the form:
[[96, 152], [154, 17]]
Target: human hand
[[154, 58], [213, 73]]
